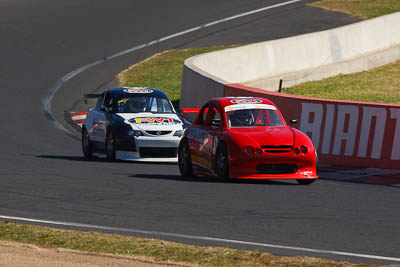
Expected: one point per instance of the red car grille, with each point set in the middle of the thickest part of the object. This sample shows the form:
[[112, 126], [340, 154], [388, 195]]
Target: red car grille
[[277, 149], [276, 168]]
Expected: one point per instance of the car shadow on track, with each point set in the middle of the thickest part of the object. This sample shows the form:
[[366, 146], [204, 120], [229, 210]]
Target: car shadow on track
[[72, 158], [94, 159], [198, 179], [206, 179]]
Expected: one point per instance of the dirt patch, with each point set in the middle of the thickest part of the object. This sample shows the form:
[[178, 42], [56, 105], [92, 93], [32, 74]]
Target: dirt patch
[[19, 254]]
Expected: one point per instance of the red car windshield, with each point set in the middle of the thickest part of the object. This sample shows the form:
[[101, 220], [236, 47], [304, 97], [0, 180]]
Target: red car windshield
[[253, 118]]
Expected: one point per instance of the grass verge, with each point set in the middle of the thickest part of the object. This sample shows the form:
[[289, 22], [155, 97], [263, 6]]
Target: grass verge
[[380, 85], [156, 249], [362, 8]]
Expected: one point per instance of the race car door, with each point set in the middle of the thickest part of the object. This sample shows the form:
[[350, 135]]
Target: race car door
[[92, 121], [100, 120], [208, 130]]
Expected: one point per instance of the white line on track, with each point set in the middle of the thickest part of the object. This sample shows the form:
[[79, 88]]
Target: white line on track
[[46, 101], [202, 238]]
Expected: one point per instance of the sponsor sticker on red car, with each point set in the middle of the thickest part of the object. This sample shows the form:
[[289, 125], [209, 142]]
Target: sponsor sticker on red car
[[246, 101]]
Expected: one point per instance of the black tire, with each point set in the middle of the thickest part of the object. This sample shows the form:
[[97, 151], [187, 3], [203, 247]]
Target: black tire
[[110, 146], [86, 144], [222, 163], [184, 159], [305, 181]]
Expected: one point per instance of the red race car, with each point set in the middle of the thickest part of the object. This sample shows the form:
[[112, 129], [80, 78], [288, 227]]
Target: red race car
[[245, 137]]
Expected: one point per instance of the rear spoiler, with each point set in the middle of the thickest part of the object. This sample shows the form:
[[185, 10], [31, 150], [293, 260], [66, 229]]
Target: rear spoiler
[[184, 111], [189, 110], [86, 96]]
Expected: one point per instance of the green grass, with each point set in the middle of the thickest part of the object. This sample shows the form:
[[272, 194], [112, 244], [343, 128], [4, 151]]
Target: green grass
[[380, 85], [163, 71], [362, 8], [156, 249]]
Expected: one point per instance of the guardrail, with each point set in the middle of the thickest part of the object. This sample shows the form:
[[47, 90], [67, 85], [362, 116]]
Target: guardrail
[[344, 133]]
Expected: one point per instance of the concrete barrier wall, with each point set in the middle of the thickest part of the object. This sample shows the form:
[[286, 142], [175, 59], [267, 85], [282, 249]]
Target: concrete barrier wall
[[197, 87], [358, 64], [352, 48], [344, 133]]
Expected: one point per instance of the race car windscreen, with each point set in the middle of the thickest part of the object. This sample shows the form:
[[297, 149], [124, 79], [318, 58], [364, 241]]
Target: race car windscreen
[[253, 118], [138, 104]]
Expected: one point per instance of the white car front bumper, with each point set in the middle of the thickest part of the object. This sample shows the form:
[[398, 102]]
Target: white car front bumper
[[152, 149]]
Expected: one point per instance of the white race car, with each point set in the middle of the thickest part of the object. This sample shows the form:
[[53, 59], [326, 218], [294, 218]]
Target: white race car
[[134, 123]]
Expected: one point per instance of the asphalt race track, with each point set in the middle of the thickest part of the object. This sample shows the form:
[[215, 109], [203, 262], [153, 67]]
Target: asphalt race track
[[44, 176]]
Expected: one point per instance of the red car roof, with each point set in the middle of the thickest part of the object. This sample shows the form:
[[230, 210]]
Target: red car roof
[[227, 101]]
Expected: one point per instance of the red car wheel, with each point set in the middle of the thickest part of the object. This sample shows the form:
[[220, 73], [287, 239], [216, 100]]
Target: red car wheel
[[222, 163]]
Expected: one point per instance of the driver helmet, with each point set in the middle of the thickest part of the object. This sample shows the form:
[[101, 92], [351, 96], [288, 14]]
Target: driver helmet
[[244, 117], [137, 104]]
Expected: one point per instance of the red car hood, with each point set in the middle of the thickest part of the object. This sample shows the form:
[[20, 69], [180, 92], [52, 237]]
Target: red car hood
[[272, 136]]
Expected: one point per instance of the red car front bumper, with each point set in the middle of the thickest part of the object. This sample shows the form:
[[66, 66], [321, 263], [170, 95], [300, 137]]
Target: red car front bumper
[[273, 167]]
